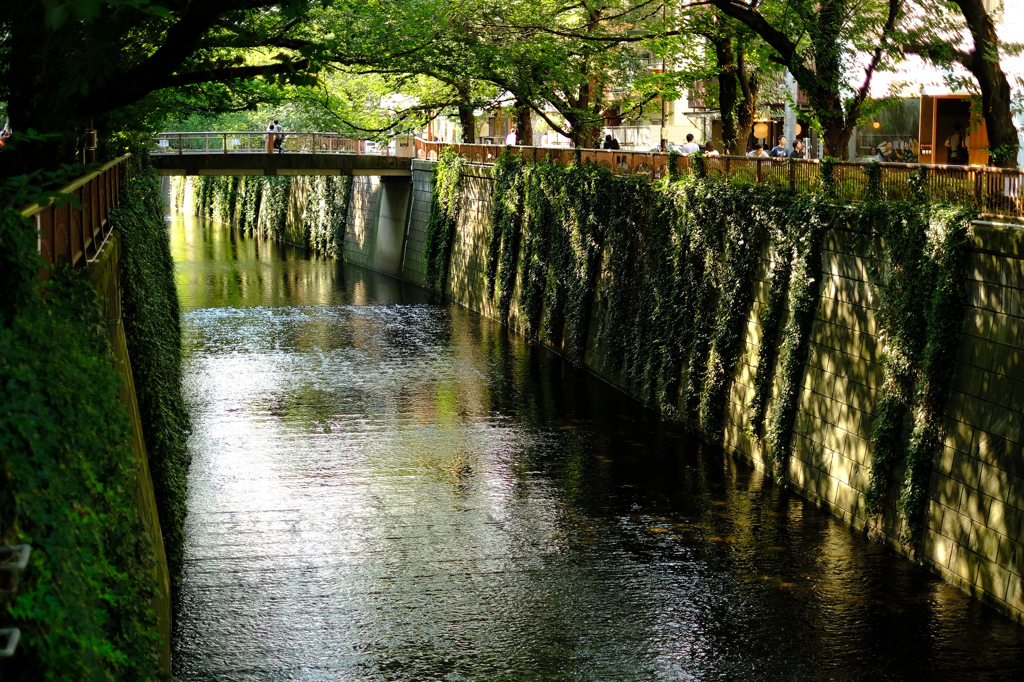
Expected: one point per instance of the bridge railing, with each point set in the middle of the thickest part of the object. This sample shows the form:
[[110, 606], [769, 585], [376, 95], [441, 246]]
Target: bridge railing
[[249, 142], [995, 192], [74, 230]]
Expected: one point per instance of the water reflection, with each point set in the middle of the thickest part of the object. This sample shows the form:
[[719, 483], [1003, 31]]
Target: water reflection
[[384, 489]]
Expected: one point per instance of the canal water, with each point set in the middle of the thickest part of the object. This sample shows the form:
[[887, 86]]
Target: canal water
[[383, 488]]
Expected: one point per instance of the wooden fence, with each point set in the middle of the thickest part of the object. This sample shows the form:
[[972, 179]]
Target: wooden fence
[[995, 192], [74, 231]]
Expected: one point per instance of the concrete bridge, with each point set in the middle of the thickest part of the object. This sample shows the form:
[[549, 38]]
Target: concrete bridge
[[245, 153]]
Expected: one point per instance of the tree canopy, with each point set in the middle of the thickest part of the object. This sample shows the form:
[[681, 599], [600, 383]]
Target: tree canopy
[[384, 67]]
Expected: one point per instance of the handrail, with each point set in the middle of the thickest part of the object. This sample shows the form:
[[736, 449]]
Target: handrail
[[76, 235], [32, 209], [994, 192], [255, 142]]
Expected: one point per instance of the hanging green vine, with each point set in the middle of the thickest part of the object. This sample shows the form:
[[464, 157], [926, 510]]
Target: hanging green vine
[[770, 321], [744, 230], [810, 216], [504, 208], [537, 234], [944, 311], [444, 217], [919, 253]]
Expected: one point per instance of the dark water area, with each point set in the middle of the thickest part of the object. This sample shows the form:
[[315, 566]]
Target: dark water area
[[388, 489]]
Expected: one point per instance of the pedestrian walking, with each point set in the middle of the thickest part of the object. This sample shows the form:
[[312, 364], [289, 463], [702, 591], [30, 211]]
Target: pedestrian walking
[[690, 147], [271, 144], [511, 138], [779, 151], [798, 151], [710, 150], [610, 142]]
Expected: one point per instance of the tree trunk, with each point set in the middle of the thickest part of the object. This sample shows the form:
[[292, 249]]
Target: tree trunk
[[1003, 142], [468, 122], [746, 109], [836, 140], [728, 94], [524, 123]]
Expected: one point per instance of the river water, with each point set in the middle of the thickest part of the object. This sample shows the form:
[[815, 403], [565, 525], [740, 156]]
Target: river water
[[387, 489]]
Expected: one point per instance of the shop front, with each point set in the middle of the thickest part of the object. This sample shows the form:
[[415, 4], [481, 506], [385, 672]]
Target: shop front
[[916, 130]]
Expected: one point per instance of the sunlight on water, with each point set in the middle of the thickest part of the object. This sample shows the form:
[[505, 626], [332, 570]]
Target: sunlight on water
[[387, 489]]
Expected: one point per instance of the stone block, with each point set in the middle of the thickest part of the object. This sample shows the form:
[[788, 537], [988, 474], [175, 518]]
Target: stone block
[[947, 491], [973, 505], [994, 579], [1004, 519], [1015, 594], [964, 563], [847, 498], [858, 450], [976, 412], [1011, 555], [977, 323], [1004, 423], [959, 435], [938, 548], [984, 542], [956, 526], [966, 470], [993, 481]]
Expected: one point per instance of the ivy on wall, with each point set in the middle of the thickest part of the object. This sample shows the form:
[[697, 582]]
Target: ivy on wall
[[808, 217], [260, 204], [153, 332], [918, 256], [68, 479], [445, 205], [677, 261]]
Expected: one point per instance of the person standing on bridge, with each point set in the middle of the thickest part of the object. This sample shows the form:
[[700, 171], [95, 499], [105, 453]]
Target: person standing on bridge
[[271, 137], [279, 138]]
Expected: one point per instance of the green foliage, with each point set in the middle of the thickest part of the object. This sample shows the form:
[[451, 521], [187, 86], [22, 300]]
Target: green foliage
[[919, 265], [153, 332], [827, 176], [67, 483], [326, 209], [552, 209], [505, 208], [259, 205], [809, 217], [444, 217], [770, 320], [679, 262]]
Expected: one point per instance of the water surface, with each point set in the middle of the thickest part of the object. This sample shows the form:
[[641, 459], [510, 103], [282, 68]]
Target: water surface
[[388, 489]]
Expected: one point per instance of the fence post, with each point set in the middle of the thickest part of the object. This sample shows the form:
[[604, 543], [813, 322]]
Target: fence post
[[977, 188], [728, 168], [179, 144], [225, 143], [792, 174], [758, 172]]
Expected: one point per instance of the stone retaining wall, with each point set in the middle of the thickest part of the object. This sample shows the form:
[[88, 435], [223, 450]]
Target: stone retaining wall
[[975, 533]]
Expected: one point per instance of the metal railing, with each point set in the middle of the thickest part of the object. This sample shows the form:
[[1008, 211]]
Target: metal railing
[[75, 234], [249, 142], [994, 192]]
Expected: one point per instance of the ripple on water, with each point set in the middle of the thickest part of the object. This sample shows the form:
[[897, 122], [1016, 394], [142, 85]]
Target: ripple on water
[[385, 489]]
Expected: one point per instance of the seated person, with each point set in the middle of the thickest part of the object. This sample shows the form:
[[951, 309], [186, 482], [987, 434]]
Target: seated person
[[889, 154], [758, 151]]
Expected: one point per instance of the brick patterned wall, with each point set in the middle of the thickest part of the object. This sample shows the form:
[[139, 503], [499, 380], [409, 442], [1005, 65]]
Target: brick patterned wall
[[976, 534]]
